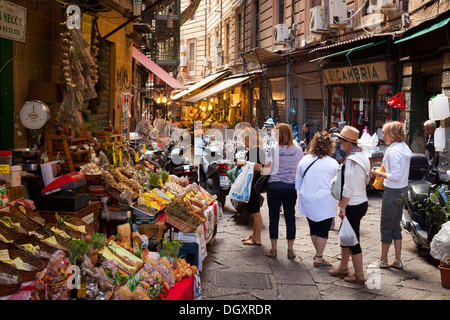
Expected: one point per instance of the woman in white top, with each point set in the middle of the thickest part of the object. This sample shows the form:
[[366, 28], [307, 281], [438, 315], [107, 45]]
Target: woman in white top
[[354, 202], [396, 161], [312, 179]]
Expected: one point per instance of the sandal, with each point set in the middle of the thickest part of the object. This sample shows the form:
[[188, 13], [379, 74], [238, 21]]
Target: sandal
[[396, 265], [322, 263], [272, 254], [378, 264], [291, 254], [251, 242], [359, 279], [248, 238], [339, 273]]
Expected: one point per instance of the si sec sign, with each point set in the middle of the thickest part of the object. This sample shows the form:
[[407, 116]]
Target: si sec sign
[[13, 20]]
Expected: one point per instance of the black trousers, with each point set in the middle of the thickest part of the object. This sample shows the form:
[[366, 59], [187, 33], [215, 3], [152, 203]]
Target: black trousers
[[354, 215]]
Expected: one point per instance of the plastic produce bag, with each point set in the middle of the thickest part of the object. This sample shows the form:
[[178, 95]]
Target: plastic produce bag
[[440, 245], [347, 236], [242, 186]]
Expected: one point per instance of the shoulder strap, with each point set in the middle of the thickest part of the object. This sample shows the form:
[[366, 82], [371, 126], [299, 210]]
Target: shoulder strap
[[363, 163], [309, 166]]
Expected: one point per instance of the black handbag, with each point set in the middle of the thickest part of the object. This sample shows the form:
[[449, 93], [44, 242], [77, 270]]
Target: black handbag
[[260, 185]]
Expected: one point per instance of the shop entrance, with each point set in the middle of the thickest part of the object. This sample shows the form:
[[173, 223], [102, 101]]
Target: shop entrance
[[6, 96]]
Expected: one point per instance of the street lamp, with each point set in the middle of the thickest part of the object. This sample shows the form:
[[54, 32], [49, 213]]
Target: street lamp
[[219, 52]]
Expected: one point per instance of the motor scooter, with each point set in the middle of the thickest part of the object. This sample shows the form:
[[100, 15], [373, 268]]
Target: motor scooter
[[425, 190], [174, 162], [213, 170]]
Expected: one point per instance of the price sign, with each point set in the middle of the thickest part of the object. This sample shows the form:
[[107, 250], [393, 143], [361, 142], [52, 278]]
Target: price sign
[[13, 20]]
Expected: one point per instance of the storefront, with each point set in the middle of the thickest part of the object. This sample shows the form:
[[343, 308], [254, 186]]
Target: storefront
[[357, 87], [425, 73]]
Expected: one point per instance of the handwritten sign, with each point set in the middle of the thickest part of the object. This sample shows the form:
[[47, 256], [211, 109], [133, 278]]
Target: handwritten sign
[[13, 20]]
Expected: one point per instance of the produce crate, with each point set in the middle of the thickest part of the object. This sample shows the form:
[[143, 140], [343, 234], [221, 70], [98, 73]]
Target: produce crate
[[189, 252], [178, 224], [153, 230]]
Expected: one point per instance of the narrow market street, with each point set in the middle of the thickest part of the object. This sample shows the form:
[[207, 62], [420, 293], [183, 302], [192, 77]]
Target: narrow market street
[[233, 271]]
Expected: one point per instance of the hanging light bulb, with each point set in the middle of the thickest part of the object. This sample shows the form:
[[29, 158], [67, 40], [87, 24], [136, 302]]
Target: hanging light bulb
[[209, 107], [164, 99]]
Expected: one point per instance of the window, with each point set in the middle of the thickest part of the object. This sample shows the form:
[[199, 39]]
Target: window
[[256, 5], [227, 42], [191, 57], [280, 11], [239, 45]]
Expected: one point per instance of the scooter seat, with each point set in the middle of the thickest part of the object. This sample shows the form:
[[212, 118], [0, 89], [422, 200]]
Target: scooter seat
[[419, 190]]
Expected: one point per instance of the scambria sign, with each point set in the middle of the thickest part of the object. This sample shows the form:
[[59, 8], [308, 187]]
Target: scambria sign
[[13, 20], [371, 72]]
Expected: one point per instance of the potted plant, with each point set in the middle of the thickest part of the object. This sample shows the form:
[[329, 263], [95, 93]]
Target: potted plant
[[440, 249]]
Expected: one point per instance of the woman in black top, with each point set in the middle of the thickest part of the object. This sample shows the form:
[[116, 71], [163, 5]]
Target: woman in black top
[[256, 154]]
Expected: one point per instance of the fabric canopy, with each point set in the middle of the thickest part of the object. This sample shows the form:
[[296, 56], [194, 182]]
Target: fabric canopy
[[202, 83], [157, 70], [424, 31], [219, 88]]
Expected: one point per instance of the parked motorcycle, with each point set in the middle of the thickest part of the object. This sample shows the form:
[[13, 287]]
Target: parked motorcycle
[[423, 193]]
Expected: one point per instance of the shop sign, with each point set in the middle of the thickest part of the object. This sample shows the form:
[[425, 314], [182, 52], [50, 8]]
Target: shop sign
[[13, 20], [364, 73]]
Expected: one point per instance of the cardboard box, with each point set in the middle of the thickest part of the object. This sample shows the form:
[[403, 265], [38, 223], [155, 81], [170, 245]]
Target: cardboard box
[[15, 193]]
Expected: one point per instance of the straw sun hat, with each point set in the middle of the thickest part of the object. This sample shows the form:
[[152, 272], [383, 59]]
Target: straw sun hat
[[349, 133]]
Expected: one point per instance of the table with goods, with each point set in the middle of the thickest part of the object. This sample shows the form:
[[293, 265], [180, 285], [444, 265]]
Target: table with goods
[[132, 231]]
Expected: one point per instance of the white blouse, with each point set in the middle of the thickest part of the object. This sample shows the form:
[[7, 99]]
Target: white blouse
[[315, 199]]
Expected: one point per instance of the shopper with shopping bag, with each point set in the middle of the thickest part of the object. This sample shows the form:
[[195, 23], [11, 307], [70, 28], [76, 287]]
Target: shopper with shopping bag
[[255, 158], [352, 206]]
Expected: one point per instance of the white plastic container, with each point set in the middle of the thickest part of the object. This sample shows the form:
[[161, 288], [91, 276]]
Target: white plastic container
[[439, 107], [16, 176], [439, 139]]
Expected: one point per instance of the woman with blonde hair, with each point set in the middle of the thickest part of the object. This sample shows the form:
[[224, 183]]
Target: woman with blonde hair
[[255, 154], [282, 161], [313, 179], [396, 163]]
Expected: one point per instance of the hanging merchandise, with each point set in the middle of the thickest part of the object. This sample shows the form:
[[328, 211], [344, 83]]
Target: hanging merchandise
[[78, 75], [126, 102], [397, 101]]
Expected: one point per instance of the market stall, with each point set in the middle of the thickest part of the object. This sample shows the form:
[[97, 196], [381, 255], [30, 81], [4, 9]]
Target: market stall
[[119, 228]]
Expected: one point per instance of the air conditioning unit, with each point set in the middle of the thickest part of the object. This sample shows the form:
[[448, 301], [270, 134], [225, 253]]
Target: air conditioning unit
[[183, 61], [376, 5], [207, 62], [316, 20], [337, 12], [280, 34]]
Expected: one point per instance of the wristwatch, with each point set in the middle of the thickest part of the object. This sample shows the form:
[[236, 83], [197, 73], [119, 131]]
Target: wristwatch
[[341, 209]]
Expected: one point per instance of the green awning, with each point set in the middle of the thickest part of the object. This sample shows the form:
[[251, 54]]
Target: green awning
[[364, 46], [433, 27]]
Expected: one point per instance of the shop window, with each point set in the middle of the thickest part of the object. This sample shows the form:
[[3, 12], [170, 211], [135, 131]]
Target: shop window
[[337, 107], [383, 110]]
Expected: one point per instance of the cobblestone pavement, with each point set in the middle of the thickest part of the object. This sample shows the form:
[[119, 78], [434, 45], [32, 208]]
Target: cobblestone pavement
[[298, 279]]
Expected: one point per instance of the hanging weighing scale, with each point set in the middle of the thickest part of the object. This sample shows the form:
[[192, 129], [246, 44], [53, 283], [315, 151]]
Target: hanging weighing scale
[[34, 114]]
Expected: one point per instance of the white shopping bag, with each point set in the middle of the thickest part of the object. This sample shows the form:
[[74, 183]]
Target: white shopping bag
[[347, 236], [242, 186]]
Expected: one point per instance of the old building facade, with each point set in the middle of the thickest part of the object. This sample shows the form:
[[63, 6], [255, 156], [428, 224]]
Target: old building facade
[[323, 62]]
